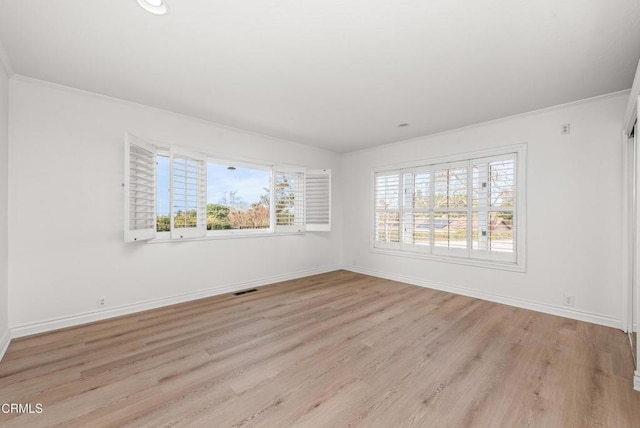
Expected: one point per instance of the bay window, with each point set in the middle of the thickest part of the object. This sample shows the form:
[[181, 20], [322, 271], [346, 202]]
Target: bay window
[[174, 193]]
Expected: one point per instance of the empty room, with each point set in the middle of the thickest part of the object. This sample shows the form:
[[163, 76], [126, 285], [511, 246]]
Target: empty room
[[319, 214]]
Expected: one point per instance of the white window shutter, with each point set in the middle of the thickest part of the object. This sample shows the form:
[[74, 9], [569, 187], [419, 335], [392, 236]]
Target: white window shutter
[[288, 197], [387, 198], [318, 200], [494, 208], [139, 190], [188, 194]]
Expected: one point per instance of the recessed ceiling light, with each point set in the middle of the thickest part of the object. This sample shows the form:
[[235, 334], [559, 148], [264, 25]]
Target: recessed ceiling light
[[157, 7], [402, 125]]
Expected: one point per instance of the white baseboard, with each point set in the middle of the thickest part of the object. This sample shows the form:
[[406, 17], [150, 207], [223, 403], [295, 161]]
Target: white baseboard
[[4, 342], [636, 381], [74, 320], [520, 303]]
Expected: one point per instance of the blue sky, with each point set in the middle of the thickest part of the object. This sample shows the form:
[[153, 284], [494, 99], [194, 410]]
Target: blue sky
[[247, 182]]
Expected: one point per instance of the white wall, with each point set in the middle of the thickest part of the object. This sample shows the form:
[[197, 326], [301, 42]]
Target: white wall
[[4, 144], [66, 207], [574, 211], [66, 211]]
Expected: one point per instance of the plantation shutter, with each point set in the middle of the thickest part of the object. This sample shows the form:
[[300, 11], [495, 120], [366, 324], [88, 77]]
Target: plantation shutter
[[387, 195], [139, 190], [188, 194], [318, 200], [451, 230], [289, 204], [493, 208], [416, 210]]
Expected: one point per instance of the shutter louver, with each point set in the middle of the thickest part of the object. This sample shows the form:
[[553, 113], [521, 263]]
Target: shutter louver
[[387, 209], [494, 228], [318, 200], [188, 194], [416, 213], [450, 209], [140, 190], [289, 201], [465, 209]]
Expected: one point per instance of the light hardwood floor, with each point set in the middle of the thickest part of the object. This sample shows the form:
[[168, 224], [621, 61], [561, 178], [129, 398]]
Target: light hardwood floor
[[332, 350]]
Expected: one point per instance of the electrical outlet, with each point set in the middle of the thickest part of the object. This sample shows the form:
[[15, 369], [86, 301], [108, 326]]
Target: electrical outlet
[[101, 302], [565, 129], [568, 300]]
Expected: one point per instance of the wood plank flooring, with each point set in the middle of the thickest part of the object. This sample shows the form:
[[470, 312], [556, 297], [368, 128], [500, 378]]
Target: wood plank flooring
[[333, 350]]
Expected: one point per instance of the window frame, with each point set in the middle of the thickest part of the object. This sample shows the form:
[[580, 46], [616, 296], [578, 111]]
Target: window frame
[[230, 233], [298, 175], [466, 256], [165, 150], [200, 192]]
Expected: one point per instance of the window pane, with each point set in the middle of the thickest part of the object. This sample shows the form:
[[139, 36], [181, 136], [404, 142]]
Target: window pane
[[501, 231], [450, 189], [387, 226], [289, 193], [422, 229], [408, 191], [422, 190], [479, 231], [450, 229], [237, 197], [163, 193], [387, 191], [502, 183], [480, 184], [416, 191], [185, 192]]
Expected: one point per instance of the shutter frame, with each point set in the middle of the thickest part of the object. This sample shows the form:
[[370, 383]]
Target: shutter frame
[[389, 191], [318, 200], [139, 177], [177, 156], [294, 223]]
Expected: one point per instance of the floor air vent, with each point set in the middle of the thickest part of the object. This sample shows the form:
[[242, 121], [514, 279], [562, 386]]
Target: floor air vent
[[240, 293]]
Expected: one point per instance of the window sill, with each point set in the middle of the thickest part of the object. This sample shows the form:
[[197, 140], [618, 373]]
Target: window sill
[[490, 264], [165, 238]]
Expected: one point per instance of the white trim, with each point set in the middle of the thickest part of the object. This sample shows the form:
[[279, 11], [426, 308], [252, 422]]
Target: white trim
[[460, 260], [627, 277], [163, 237], [88, 317], [4, 61], [492, 297], [5, 340], [636, 381]]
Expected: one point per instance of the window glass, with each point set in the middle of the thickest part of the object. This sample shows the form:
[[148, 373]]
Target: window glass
[[465, 209], [163, 193], [237, 197]]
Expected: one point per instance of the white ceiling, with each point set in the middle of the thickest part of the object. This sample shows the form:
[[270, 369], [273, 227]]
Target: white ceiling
[[333, 73]]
